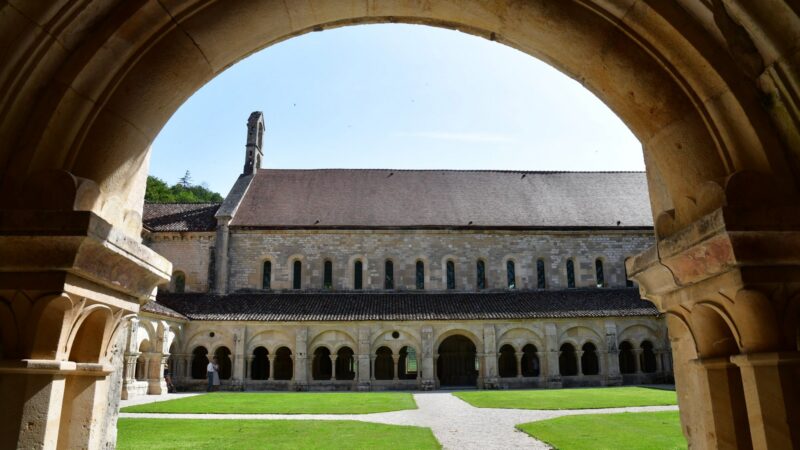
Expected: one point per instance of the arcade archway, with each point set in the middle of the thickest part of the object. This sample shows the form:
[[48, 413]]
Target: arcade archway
[[457, 364]]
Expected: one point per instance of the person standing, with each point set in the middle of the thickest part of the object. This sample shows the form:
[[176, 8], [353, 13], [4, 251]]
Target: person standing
[[215, 381], [211, 373]]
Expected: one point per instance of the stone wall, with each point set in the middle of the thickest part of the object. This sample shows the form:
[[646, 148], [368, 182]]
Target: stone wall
[[249, 249], [189, 252]]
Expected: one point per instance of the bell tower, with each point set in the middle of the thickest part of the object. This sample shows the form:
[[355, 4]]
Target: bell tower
[[255, 134]]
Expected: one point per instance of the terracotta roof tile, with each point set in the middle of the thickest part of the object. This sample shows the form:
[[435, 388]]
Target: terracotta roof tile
[[405, 306], [444, 198], [180, 216], [161, 310]]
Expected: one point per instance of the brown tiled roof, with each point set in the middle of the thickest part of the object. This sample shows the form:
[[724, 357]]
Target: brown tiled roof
[[444, 198], [180, 216], [404, 306], [161, 310]]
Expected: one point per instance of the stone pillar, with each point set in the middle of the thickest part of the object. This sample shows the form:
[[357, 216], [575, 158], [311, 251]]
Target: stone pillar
[[372, 359], [187, 368], [363, 375], [129, 381], [553, 379], [519, 356], [579, 361], [248, 367], [772, 393], [300, 359], [334, 357], [396, 367], [611, 356], [724, 283], [659, 355], [637, 353], [489, 363], [427, 373]]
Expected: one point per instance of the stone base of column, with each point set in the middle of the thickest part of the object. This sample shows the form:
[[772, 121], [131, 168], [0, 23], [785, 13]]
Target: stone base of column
[[427, 385], [491, 383], [156, 387], [554, 382], [299, 387], [613, 380], [364, 386], [133, 389]]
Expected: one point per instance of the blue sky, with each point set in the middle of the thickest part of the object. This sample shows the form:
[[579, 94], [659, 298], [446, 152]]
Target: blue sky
[[393, 96]]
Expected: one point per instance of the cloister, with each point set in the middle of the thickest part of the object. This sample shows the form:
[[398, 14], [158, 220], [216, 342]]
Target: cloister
[[710, 88]]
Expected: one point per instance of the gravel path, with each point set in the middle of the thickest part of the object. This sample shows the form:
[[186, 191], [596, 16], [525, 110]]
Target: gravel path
[[455, 423]]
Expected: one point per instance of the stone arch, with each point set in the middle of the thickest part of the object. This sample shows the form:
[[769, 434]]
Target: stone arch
[[345, 368], [455, 330], [456, 364], [333, 340], [717, 338], [384, 363], [269, 339], [89, 335], [408, 337], [637, 332], [577, 335], [47, 328], [590, 360], [531, 365], [223, 355], [408, 364], [259, 365], [518, 337], [140, 372]]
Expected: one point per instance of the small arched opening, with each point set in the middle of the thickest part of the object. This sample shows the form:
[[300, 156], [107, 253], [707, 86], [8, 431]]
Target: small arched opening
[[648, 362], [408, 364], [140, 373], [179, 282], [345, 364], [384, 364], [259, 366], [199, 363], [567, 361], [223, 355], [321, 367], [284, 367], [590, 363], [530, 361], [627, 360], [507, 362]]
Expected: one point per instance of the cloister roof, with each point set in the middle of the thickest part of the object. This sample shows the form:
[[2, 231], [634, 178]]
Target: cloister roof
[[405, 306], [180, 216], [161, 310], [444, 198]]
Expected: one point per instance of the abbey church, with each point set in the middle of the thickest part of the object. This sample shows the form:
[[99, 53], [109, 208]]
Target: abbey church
[[345, 279]]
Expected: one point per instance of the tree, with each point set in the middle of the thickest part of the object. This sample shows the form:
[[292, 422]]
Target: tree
[[182, 192]]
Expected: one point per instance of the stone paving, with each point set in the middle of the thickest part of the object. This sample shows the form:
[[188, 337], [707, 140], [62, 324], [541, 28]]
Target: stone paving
[[455, 423]]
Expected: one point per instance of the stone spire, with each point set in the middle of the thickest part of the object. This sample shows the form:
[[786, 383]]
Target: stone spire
[[254, 152]]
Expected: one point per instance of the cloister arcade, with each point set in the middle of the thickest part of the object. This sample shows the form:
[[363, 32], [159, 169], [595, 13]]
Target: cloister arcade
[[710, 88]]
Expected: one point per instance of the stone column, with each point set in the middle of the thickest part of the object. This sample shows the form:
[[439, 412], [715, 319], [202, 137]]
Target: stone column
[[300, 359], [771, 383], [611, 356], [659, 355], [396, 367], [363, 374], [221, 254], [187, 368], [426, 367], [519, 356], [637, 353], [271, 364], [726, 414], [248, 367], [553, 377], [128, 383], [579, 361], [489, 362], [372, 358], [334, 357]]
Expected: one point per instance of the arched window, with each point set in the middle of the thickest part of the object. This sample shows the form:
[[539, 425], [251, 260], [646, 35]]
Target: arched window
[[266, 275], [481, 275], [628, 282], [627, 360], [327, 275], [511, 274], [259, 367], [407, 364], [283, 364], [507, 362], [451, 274], [297, 275], [388, 275], [358, 275], [179, 282], [567, 361], [384, 364], [223, 355], [321, 366], [648, 357], [570, 274], [540, 279], [199, 363], [598, 271], [590, 365], [420, 270], [530, 361]]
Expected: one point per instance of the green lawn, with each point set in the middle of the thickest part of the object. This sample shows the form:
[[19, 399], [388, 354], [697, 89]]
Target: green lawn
[[611, 397], [631, 431], [282, 403], [152, 434]]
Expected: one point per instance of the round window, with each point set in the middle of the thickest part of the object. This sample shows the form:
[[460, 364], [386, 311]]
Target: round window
[[211, 334], [395, 334]]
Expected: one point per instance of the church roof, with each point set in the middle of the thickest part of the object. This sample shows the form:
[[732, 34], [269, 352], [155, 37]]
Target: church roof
[[377, 198], [404, 306], [180, 216]]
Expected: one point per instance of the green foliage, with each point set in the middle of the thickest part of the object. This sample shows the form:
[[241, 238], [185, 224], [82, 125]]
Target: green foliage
[[282, 403], [153, 434], [589, 398], [158, 191], [634, 431]]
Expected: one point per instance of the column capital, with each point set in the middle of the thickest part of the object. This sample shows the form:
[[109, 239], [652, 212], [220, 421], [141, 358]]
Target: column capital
[[767, 359]]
